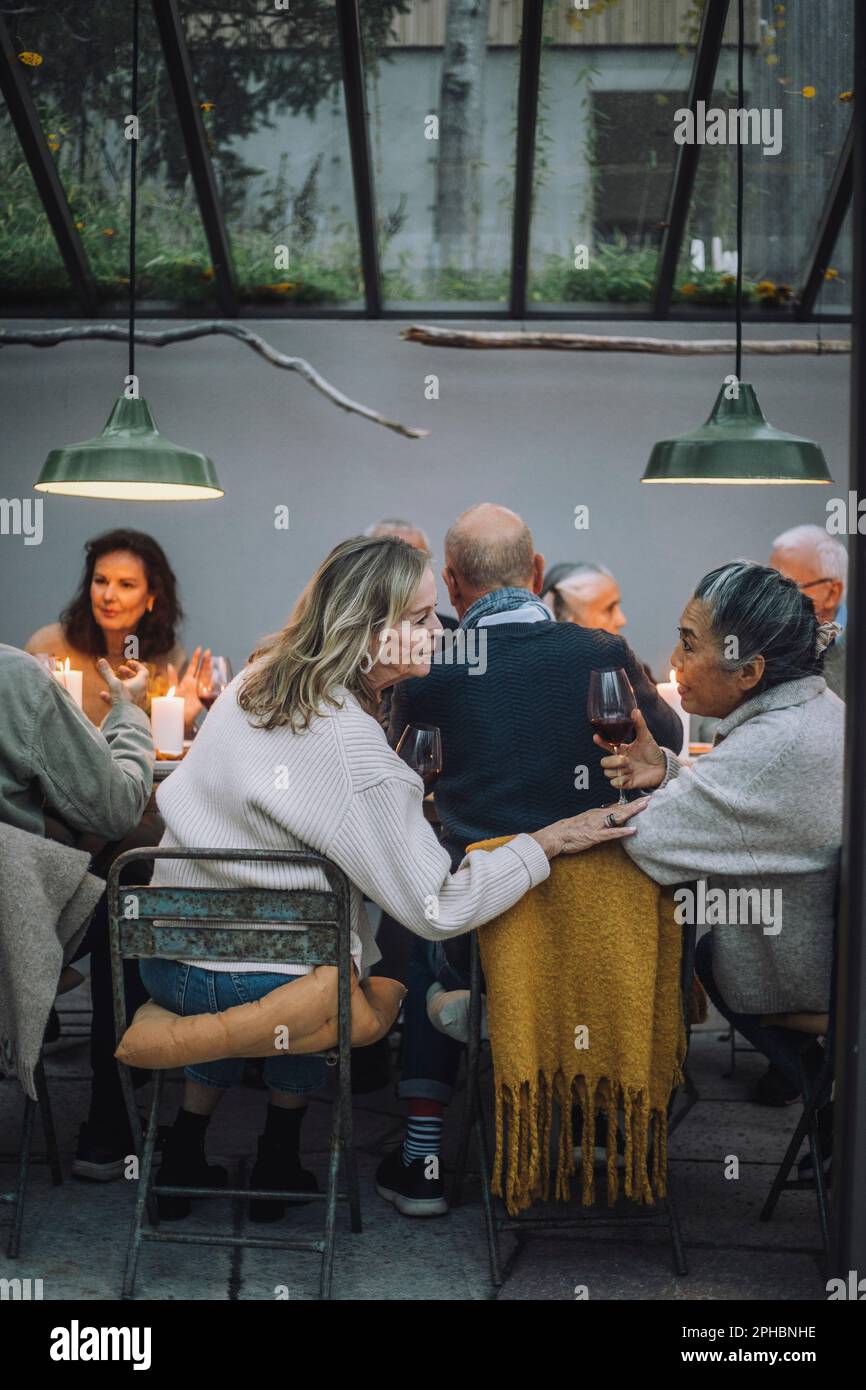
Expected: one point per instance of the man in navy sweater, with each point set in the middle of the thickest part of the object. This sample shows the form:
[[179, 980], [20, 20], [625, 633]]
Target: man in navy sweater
[[517, 752]]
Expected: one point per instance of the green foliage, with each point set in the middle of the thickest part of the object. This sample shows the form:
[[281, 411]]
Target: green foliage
[[250, 64], [618, 275]]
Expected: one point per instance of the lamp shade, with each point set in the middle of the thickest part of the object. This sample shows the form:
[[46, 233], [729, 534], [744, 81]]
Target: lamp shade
[[130, 461], [737, 445]]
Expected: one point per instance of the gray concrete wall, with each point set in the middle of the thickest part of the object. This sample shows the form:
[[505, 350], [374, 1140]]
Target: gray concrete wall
[[540, 432]]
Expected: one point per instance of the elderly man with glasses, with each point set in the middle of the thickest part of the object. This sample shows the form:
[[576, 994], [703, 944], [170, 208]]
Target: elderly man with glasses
[[818, 565]]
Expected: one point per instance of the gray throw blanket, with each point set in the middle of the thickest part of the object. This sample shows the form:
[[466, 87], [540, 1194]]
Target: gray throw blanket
[[47, 898]]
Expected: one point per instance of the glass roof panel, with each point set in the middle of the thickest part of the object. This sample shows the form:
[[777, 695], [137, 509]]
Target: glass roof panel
[[442, 90], [443, 137], [612, 77], [834, 296], [78, 67], [31, 267], [270, 87], [797, 79]]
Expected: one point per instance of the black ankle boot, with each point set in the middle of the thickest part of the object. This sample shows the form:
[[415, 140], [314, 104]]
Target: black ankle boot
[[278, 1165], [184, 1164]]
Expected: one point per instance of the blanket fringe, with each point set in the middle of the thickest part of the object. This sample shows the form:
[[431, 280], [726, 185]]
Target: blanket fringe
[[524, 1121]]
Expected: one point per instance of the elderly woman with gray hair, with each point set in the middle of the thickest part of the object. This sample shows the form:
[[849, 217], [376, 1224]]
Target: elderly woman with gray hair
[[761, 812]]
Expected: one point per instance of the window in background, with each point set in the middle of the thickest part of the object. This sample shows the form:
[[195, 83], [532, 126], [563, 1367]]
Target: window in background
[[611, 79], [79, 77], [31, 267], [799, 62], [270, 89], [442, 102], [834, 296]]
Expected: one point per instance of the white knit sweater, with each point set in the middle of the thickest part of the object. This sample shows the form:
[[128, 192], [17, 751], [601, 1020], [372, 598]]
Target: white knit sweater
[[339, 789]]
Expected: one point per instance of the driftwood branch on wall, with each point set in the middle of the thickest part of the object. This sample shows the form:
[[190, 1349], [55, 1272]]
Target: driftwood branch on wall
[[595, 342], [116, 332]]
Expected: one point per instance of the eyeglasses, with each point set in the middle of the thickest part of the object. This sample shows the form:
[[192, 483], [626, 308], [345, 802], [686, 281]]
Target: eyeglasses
[[812, 583]]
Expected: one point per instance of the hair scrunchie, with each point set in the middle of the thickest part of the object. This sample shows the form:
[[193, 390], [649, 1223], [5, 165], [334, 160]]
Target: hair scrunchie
[[827, 633]]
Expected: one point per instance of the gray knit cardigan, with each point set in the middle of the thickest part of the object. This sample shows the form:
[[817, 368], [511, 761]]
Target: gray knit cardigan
[[762, 810]]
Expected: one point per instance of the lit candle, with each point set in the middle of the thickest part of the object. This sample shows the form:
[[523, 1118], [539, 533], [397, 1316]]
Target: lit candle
[[166, 719], [670, 695], [72, 681]]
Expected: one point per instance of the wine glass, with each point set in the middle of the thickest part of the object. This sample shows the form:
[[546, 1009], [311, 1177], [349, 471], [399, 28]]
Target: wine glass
[[609, 706], [209, 690], [421, 747]]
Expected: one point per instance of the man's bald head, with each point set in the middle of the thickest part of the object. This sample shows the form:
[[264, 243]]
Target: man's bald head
[[489, 547]]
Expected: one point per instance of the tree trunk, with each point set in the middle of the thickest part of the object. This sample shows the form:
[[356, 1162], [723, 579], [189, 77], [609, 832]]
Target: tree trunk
[[461, 114]]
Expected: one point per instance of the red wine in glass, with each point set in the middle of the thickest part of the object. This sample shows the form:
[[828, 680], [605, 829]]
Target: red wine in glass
[[609, 706], [421, 747], [614, 730], [209, 690]]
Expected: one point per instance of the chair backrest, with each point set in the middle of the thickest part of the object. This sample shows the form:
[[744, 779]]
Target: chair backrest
[[300, 926]]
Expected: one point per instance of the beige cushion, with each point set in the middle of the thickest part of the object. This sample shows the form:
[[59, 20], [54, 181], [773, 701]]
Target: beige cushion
[[296, 1018]]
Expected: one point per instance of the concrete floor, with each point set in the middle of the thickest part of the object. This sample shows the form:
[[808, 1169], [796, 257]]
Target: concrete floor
[[75, 1235]]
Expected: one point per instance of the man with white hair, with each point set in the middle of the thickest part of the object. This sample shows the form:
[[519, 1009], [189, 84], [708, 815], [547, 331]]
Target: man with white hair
[[818, 565], [405, 530]]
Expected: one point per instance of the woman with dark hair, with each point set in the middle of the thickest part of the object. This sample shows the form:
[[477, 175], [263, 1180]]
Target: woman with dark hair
[[127, 605], [757, 821]]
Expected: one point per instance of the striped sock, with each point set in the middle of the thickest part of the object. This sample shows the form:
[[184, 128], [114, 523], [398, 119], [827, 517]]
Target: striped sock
[[423, 1130]]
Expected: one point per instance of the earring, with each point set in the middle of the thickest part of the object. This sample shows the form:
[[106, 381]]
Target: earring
[[150, 606]]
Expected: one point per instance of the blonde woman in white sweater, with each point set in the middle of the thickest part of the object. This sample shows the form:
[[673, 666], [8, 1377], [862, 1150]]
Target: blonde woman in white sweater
[[292, 756]]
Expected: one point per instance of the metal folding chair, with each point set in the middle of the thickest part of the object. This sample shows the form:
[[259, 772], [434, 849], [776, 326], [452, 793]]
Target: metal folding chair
[[473, 1126], [815, 1093], [301, 926], [52, 1156], [731, 1038]]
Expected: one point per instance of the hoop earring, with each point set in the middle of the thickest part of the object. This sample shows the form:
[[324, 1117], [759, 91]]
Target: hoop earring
[[365, 670]]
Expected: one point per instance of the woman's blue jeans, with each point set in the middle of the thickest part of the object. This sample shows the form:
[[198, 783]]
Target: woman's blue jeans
[[189, 989]]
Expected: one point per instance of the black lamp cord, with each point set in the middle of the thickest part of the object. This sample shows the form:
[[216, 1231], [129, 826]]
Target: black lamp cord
[[740, 104], [133, 168]]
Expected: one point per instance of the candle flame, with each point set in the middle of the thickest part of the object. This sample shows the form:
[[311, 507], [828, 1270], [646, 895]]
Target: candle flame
[[170, 692]]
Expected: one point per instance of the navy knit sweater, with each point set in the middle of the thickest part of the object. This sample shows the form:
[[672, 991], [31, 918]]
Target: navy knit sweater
[[515, 738]]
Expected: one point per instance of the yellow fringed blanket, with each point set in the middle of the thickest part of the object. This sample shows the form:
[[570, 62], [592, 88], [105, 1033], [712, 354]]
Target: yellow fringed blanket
[[583, 998]]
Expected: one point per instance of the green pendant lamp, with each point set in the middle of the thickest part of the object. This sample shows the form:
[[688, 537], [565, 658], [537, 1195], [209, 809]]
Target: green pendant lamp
[[737, 444], [130, 461]]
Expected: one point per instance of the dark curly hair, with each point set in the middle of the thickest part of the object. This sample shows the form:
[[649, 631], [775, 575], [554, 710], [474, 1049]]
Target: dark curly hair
[[156, 631]]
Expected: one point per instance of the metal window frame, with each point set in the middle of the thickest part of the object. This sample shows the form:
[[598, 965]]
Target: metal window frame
[[836, 205], [355, 95], [34, 146], [707, 53], [179, 68], [527, 118], [228, 300], [848, 1200]]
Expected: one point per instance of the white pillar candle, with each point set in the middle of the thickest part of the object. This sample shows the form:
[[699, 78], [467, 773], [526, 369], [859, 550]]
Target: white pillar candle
[[166, 721], [670, 695], [72, 681]]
